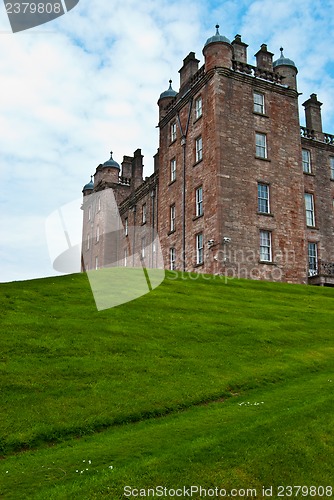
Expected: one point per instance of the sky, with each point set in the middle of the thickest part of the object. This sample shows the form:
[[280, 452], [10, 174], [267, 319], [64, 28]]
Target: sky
[[88, 82]]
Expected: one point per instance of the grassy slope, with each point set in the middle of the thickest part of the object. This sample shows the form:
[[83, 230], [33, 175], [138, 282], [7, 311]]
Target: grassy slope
[[68, 370]]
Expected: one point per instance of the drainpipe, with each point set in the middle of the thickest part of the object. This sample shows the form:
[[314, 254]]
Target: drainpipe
[[153, 214], [183, 144]]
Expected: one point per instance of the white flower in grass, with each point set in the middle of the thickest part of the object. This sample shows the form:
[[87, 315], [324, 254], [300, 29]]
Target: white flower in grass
[[110, 467], [89, 461]]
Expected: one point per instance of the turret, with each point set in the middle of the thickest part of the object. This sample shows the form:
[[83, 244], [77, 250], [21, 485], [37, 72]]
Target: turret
[[88, 188], [165, 99], [107, 172], [217, 51], [287, 69]]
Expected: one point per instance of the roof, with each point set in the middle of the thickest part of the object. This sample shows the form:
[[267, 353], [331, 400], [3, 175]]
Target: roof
[[89, 185], [283, 61], [217, 38], [169, 92], [111, 162]]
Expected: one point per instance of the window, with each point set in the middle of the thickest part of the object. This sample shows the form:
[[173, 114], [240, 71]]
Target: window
[[199, 249], [258, 103], [126, 226], [172, 170], [312, 259], [331, 160], [89, 212], [172, 218], [144, 213], [309, 207], [88, 241], [96, 262], [199, 201], [199, 149], [306, 159], [173, 132], [261, 145], [99, 204], [143, 247], [125, 257], [172, 258], [265, 246], [263, 198], [198, 107], [97, 234]]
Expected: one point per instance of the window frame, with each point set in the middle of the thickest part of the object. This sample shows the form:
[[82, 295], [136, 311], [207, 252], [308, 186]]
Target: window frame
[[307, 164], [173, 132], [97, 234], [172, 217], [312, 259], [199, 249], [198, 149], [199, 201], [266, 246], [198, 107], [172, 258], [261, 200], [261, 105], [143, 247], [309, 211], [172, 169], [126, 226], [144, 213], [331, 164], [261, 148]]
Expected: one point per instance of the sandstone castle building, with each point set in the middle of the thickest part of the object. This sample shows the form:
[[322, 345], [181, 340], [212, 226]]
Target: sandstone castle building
[[239, 187]]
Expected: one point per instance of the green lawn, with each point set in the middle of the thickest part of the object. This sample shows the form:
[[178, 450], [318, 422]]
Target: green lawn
[[200, 382]]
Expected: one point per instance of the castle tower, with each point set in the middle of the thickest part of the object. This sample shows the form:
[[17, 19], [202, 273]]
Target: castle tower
[[165, 99], [107, 172], [287, 69], [88, 188], [217, 51]]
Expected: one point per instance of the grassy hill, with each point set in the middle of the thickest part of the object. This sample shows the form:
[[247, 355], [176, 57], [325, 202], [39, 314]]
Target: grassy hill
[[200, 382]]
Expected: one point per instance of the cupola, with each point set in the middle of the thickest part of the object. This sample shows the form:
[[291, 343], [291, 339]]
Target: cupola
[[111, 162], [88, 188], [169, 92]]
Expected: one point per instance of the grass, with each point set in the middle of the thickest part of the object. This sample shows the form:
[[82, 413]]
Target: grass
[[158, 388]]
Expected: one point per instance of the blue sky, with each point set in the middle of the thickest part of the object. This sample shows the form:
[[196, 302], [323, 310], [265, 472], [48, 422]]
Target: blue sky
[[88, 82]]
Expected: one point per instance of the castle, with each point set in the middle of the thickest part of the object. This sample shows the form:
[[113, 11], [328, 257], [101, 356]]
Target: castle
[[239, 187]]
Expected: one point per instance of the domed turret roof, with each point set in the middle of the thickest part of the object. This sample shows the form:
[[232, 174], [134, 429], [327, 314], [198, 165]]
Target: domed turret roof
[[217, 38], [283, 61], [111, 163], [90, 185], [169, 92]]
